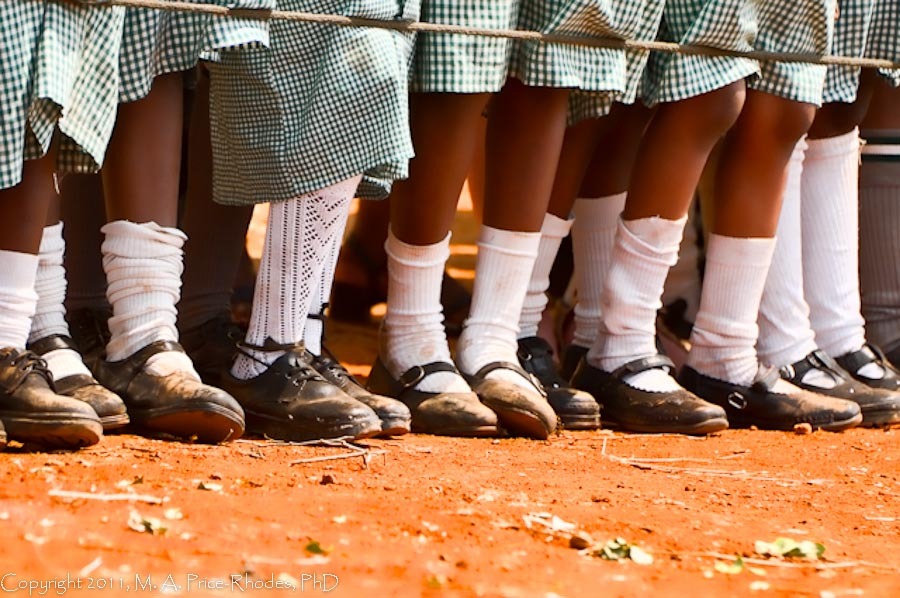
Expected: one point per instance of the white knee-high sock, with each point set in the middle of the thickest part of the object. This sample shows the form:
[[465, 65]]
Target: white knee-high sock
[[880, 246], [683, 281], [593, 238], [644, 251], [553, 231], [785, 333], [315, 323], [830, 213], [143, 264], [502, 271], [298, 233], [18, 299], [413, 331], [725, 333], [50, 314]]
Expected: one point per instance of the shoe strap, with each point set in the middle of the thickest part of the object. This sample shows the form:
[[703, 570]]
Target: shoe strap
[[765, 379], [654, 362], [417, 373], [482, 373], [54, 342], [817, 360], [270, 346]]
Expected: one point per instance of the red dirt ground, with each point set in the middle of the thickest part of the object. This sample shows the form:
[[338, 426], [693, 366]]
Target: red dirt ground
[[428, 516]]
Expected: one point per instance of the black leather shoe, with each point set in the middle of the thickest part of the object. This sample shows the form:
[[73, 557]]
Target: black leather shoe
[[759, 405], [521, 412], [637, 410], [89, 329], [291, 401], [577, 410], [176, 404], [32, 412], [879, 407], [855, 360], [443, 414], [108, 406], [394, 415], [571, 357], [893, 356], [212, 347]]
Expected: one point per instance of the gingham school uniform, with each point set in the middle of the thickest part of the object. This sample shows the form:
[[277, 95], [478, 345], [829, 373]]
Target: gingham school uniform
[[157, 42], [57, 72], [322, 105], [724, 24], [796, 27], [884, 37], [586, 104], [466, 64], [851, 32]]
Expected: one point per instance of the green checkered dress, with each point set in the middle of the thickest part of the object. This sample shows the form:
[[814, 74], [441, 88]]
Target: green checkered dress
[[724, 24], [322, 105], [797, 27], [884, 37], [850, 34], [587, 104], [460, 63], [57, 73], [156, 42]]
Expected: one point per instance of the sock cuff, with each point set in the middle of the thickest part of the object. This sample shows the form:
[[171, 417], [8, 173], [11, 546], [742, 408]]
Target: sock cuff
[[422, 256], [656, 235], [19, 268], [740, 251], [599, 212], [52, 239], [829, 147], [555, 227], [145, 240], [509, 242]]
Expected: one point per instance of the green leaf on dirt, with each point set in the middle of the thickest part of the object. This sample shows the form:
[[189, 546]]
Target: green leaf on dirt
[[619, 549], [314, 547], [732, 568], [435, 582], [791, 549], [146, 525]]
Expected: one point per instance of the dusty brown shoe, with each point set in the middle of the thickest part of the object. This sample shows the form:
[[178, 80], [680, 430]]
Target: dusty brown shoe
[[394, 415], [292, 401], [32, 412], [108, 405], [176, 404], [521, 413]]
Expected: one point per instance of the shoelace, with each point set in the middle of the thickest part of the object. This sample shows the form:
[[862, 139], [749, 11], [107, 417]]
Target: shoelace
[[26, 362]]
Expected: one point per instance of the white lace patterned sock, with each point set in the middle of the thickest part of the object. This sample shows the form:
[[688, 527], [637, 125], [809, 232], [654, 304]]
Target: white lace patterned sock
[[50, 315], [644, 251], [879, 238], [553, 231], [593, 238], [725, 333], [143, 264], [785, 334], [413, 331], [502, 271], [314, 330], [297, 235], [18, 299], [830, 213]]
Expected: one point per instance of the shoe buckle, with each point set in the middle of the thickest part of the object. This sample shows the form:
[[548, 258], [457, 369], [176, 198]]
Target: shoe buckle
[[788, 372], [737, 400], [412, 376]]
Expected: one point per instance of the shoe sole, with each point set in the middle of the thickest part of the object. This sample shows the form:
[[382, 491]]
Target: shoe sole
[[394, 427], [208, 423], [523, 423], [580, 422], [279, 429], [703, 428], [476, 432], [114, 422], [837, 426], [65, 432], [881, 418]]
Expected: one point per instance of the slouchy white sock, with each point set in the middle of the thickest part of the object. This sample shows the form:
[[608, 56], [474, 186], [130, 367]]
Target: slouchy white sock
[[553, 231], [18, 299]]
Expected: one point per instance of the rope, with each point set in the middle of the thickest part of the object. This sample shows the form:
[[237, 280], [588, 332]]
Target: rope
[[516, 34]]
